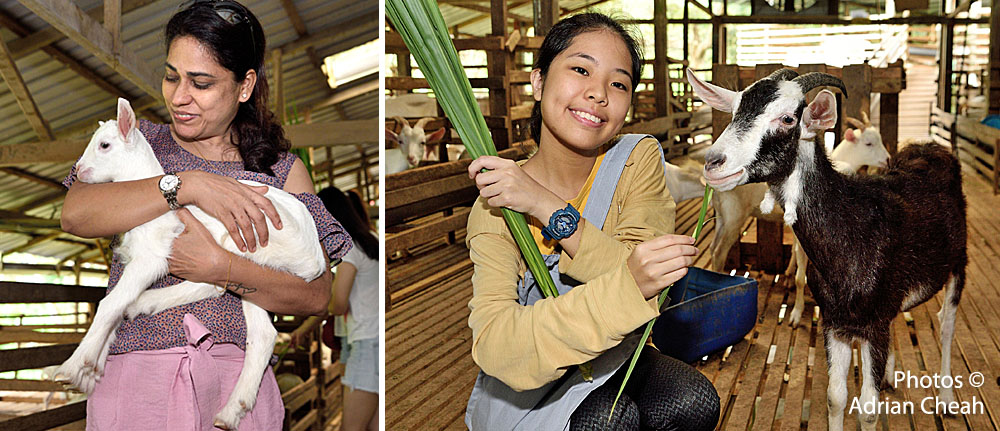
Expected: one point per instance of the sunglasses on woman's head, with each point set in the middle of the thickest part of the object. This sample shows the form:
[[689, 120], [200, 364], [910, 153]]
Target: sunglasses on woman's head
[[230, 11]]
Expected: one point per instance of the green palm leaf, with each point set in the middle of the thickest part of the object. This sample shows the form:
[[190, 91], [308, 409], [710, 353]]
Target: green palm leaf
[[420, 24], [663, 296]]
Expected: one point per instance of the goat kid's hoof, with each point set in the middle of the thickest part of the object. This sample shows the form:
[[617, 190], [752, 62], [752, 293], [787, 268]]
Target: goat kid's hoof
[[796, 317], [230, 416]]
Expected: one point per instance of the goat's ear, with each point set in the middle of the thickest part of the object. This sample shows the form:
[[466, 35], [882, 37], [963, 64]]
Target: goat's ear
[[435, 136], [715, 96], [391, 136], [821, 114], [126, 119], [849, 135]]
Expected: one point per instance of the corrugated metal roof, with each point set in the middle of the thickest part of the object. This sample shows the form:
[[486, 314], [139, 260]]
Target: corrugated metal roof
[[72, 104]]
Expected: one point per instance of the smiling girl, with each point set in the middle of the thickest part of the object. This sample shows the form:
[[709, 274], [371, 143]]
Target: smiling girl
[[601, 215]]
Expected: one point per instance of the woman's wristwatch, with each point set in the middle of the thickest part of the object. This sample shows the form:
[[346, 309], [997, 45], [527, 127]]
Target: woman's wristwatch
[[562, 223], [170, 184]]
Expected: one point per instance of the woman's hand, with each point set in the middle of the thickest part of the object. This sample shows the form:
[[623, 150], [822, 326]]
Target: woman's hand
[[195, 256], [240, 208], [661, 261], [506, 185]]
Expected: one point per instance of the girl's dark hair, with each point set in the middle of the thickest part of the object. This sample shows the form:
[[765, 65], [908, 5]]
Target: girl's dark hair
[[359, 206], [561, 36], [340, 207], [239, 47]]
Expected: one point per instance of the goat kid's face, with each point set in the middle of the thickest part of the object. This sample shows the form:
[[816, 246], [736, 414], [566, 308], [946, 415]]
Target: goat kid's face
[[112, 144], [770, 117], [415, 143], [862, 148]]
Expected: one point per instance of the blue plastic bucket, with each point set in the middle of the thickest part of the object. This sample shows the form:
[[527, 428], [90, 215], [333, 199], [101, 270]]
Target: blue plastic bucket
[[716, 311]]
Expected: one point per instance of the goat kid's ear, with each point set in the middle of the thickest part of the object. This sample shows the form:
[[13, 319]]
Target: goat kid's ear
[[435, 136], [821, 114], [849, 135], [126, 119], [715, 96]]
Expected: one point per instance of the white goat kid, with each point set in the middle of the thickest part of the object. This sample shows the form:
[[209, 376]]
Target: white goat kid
[[119, 152], [414, 143]]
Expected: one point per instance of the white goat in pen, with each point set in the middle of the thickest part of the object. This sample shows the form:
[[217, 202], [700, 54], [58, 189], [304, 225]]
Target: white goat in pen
[[119, 152], [877, 245], [413, 145]]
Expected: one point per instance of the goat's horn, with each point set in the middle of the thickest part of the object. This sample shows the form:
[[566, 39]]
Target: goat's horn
[[855, 122], [817, 79], [401, 121], [422, 122], [783, 75], [865, 119]]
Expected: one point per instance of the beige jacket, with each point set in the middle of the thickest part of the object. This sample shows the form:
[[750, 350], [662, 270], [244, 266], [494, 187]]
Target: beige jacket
[[528, 346]]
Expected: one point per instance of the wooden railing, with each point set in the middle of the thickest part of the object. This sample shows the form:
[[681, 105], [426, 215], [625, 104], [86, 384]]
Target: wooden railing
[[976, 144]]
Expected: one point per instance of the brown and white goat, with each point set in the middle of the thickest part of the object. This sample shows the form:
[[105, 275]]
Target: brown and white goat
[[877, 245]]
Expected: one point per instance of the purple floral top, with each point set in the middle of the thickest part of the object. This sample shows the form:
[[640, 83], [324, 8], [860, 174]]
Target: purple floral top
[[223, 316]]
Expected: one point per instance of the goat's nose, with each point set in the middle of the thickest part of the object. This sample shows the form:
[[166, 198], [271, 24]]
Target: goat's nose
[[714, 161]]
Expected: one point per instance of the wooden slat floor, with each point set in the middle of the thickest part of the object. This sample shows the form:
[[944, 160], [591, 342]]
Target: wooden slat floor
[[775, 379]]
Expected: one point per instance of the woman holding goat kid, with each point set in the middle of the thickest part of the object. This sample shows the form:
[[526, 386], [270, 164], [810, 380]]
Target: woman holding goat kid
[[221, 130], [601, 214]]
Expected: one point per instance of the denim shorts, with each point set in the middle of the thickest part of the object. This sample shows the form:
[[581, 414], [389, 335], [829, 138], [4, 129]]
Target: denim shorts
[[360, 360]]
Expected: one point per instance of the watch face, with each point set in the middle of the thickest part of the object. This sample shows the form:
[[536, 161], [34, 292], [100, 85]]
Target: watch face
[[564, 224], [168, 182]]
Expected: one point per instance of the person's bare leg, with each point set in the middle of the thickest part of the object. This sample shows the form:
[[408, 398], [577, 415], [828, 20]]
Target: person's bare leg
[[359, 410]]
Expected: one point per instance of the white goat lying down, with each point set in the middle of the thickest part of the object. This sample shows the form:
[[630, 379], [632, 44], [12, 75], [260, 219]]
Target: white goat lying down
[[119, 152], [877, 245]]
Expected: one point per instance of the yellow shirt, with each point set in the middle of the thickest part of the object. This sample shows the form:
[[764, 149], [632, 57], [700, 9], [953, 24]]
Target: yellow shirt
[[529, 346], [579, 202]]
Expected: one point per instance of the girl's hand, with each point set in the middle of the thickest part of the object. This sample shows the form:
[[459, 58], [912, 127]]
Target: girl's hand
[[506, 185], [195, 256], [661, 261], [240, 208]]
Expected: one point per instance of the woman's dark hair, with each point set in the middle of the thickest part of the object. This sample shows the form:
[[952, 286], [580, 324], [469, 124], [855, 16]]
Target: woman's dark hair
[[338, 204], [561, 36], [238, 45], [359, 206]]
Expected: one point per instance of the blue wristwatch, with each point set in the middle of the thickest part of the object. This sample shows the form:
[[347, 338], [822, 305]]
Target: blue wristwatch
[[562, 223]]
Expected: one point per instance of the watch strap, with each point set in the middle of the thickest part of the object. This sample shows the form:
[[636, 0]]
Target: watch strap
[[171, 195]]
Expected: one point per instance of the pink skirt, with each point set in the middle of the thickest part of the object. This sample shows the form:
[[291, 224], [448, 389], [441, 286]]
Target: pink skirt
[[180, 388]]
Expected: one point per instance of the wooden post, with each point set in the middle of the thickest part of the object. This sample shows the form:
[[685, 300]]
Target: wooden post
[[770, 253], [858, 80], [944, 65], [993, 95], [546, 15], [498, 65], [112, 23], [661, 85], [718, 40], [888, 125]]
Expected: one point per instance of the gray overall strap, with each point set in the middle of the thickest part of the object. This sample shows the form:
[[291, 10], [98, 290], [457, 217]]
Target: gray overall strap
[[606, 180], [495, 406]]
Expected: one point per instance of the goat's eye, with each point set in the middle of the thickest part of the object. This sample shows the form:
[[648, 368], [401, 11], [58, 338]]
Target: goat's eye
[[105, 145], [788, 120]]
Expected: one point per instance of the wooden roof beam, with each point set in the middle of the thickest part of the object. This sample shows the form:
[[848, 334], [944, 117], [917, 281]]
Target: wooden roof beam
[[364, 25], [88, 33], [32, 42], [10, 73], [85, 72], [33, 242], [23, 174], [41, 201], [300, 28]]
